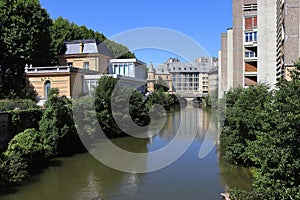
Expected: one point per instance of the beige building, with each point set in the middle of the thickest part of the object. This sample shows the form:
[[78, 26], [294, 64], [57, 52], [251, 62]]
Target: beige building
[[81, 65], [263, 43]]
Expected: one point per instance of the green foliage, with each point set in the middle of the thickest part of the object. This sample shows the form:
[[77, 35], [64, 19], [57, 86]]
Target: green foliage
[[118, 50], [25, 38], [57, 125], [25, 152], [24, 104], [267, 139], [160, 98], [24, 119], [63, 30], [105, 99], [84, 115], [245, 112]]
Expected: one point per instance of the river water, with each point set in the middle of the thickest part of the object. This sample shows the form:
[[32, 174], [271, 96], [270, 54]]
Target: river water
[[82, 177]]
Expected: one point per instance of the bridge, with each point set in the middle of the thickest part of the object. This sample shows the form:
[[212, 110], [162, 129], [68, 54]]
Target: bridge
[[190, 96]]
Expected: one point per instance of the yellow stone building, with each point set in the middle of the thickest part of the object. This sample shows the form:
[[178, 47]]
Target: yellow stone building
[[81, 57], [81, 65]]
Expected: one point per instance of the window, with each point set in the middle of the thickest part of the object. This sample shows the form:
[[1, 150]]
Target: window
[[86, 65], [250, 23], [250, 54], [47, 88], [116, 69], [251, 37]]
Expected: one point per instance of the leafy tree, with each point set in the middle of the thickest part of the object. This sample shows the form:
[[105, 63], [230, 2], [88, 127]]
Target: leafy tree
[[105, 99], [63, 30], [24, 39], [277, 150], [57, 126], [245, 114], [118, 50]]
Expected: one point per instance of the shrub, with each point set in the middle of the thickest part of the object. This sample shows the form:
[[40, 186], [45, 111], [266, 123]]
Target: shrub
[[25, 152]]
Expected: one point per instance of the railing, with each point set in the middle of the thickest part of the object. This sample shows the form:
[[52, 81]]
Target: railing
[[31, 69]]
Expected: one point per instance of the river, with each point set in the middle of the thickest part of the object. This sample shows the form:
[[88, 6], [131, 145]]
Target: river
[[82, 177]]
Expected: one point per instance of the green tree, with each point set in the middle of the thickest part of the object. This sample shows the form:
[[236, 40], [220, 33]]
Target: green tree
[[24, 39], [63, 30], [57, 126], [245, 114], [106, 99], [277, 149]]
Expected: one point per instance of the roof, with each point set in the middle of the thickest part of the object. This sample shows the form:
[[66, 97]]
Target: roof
[[90, 46], [183, 67]]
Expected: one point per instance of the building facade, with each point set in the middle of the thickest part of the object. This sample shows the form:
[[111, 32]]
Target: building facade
[[81, 65], [184, 78], [262, 45]]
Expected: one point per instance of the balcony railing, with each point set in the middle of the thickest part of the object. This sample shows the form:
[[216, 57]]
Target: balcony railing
[[31, 69]]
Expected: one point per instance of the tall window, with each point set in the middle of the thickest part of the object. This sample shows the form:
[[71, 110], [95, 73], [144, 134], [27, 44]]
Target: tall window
[[47, 89], [251, 37]]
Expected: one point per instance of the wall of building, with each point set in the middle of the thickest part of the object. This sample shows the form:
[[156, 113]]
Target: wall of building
[[266, 41], [59, 80], [97, 62]]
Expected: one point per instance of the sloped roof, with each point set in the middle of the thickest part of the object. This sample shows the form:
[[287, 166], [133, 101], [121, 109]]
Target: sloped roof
[[89, 46]]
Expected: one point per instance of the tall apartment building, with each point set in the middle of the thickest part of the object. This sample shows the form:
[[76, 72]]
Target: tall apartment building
[[263, 43]]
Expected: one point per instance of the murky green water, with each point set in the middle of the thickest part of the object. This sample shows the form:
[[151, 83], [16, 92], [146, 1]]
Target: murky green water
[[82, 177]]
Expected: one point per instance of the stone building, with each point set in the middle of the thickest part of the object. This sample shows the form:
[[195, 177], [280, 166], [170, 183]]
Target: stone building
[[184, 78], [80, 66]]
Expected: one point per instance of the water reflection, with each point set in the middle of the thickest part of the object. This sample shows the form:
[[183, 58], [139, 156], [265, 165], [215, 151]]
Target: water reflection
[[82, 177]]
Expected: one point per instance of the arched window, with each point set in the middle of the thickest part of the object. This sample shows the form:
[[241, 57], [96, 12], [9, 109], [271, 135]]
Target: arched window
[[47, 88]]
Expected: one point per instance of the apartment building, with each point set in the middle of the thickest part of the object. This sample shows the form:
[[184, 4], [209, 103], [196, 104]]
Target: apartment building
[[262, 44]]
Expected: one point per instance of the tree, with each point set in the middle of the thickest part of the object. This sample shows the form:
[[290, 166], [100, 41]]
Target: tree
[[277, 149], [25, 39], [63, 30], [106, 99], [245, 114], [57, 126]]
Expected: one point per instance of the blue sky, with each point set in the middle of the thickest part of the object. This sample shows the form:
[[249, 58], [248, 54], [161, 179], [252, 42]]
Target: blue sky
[[201, 20]]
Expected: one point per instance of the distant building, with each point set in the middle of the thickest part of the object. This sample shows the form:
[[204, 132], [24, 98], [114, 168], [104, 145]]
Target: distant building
[[184, 78], [81, 64]]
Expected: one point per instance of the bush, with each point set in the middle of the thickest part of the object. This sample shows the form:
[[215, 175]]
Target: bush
[[25, 152], [24, 104]]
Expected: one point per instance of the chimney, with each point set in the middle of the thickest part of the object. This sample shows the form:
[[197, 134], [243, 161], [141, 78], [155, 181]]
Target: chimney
[[81, 47]]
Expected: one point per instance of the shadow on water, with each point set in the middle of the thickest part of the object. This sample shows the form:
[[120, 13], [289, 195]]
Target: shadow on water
[[8, 189]]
